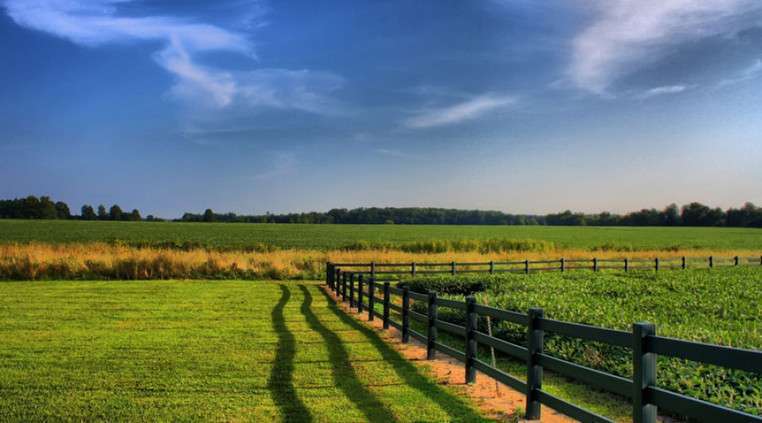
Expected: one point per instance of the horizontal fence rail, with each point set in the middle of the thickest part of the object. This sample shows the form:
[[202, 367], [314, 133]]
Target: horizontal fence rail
[[529, 266], [641, 389]]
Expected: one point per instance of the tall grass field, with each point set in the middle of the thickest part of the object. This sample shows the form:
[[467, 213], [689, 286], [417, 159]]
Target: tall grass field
[[49, 250]]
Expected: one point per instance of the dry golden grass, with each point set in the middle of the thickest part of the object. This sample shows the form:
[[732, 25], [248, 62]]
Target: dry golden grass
[[107, 261]]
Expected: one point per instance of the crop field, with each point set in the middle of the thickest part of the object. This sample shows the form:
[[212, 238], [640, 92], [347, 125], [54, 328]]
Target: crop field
[[222, 351], [718, 307], [247, 236], [50, 250]]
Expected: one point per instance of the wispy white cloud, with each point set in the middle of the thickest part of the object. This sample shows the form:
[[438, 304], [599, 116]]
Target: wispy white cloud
[[657, 91], [97, 23], [470, 109], [283, 163], [397, 154], [752, 71], [627, 35]]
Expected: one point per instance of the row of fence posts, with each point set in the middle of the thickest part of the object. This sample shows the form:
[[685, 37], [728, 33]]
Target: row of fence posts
[[596, 265], [644, 363]]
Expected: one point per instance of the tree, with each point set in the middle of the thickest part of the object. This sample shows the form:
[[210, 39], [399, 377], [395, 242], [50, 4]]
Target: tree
[[208, 215], [134, 215], [88, 213], [697, 214], [47, 208], [102, 214], [62, 210], [115, 213], [670, 216]]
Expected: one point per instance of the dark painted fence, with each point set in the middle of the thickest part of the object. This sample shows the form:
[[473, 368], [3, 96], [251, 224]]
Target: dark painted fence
[[529, 266], [362, 292]]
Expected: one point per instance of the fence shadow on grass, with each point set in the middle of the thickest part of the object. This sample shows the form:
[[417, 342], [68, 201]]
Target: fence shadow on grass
[[454, 406], [281, 383], [344, 375]]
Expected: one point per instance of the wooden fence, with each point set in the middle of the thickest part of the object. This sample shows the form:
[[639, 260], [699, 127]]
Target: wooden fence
[[528, 266], [362, 293]]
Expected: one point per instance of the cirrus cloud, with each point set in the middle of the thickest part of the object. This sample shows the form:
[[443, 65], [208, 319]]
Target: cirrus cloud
[[627, 35], [470, 109], [97, 23]]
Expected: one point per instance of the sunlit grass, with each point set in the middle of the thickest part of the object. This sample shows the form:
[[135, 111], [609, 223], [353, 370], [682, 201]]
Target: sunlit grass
[[225, 351], [31, 261]]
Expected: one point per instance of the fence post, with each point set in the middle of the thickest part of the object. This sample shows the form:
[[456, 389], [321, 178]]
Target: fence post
[[682, 265], [595, 264], [329, 274], [656, 264], [626, 265], [431, 337], [371, 299], [344, 286], [360, 288], [711, 262], [735, 261], [471, 321], [526, 266], [644, 373], [563, 265], [386, 305], [412, 269], [536, 338], [405, 315], [373, 269], [491, 267], [452, 267], [351, 290], [337, 282]]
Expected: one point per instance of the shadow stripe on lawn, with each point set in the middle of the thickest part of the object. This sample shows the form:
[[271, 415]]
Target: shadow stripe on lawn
[[344, 374], [454, 406], [281, 383]]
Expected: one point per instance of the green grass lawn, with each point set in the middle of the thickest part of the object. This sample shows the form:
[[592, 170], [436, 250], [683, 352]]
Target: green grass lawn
[[171, 350], [242, 235]]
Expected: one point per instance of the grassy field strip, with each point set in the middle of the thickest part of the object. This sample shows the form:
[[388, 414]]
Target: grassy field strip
[[330, 237], [202, 350], [105, 261]]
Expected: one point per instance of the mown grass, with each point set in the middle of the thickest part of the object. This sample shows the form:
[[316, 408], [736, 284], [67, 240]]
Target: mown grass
[[263, 237], [224, 351], [718, 307]]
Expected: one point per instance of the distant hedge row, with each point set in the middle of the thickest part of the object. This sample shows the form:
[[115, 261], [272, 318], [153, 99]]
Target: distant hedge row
[[693, 214]]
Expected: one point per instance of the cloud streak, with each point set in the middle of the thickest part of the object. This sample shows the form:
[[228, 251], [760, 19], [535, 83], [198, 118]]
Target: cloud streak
[[470, 109], [664, 90], [751, 72], [96, 23], [283, 163], [627, 35], [397, 154]]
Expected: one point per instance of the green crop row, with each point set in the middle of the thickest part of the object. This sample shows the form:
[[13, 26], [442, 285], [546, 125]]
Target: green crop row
[[420, 238], [718, 307]]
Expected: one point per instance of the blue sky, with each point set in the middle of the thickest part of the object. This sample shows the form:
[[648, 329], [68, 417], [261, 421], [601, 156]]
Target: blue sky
[[253, 106]]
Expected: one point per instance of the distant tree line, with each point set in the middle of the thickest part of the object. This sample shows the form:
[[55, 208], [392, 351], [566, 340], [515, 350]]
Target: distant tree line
[[43, 207], [693, 214]]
